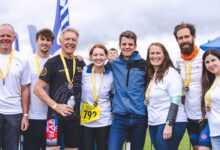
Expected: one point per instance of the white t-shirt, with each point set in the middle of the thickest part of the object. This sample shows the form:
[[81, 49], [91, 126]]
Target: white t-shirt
[[160, 98], [10, 93], [214, 114], [192, 102], [103, 101], [37, 109]]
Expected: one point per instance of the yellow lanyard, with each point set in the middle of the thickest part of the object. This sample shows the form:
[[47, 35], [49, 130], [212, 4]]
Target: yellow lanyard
[[208, 93], [187, 74], [8, 67], [70, 82], [38, 63], [147, 93], [96, 97]]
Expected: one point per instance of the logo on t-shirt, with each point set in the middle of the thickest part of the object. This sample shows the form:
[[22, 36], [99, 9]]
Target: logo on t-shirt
[[43, 72]]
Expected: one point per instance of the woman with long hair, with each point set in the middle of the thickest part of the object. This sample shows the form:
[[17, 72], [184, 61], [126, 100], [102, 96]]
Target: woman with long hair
[[166, 116], [210, 99]]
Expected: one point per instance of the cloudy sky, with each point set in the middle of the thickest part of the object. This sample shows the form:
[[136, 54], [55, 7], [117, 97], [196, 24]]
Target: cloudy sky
[[102, 21]]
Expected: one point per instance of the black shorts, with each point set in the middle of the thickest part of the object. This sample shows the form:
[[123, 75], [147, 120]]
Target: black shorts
[[35, 136], [199, 133], [69, 133]]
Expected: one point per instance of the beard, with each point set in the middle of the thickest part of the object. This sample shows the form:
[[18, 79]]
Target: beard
[[187, 50]]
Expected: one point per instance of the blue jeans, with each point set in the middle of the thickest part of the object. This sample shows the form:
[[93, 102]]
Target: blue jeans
[[10, 131], [215, 142], [156, 135], [124, 125]]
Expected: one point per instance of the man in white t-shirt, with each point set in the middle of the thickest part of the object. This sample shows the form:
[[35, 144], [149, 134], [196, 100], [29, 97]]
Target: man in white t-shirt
[[35, 136], [190, 67], [14, 90]]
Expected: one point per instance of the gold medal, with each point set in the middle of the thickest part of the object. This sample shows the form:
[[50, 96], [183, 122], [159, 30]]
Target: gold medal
[[186, 88], [207, 109], [70, 86], [95, 103]]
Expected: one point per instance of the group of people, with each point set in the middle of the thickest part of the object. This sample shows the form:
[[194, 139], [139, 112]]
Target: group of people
[[60, 101]]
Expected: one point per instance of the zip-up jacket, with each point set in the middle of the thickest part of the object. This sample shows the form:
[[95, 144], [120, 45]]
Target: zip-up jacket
[[129, 80]]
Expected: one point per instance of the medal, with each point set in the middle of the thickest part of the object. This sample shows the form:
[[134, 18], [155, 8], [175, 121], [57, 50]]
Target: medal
[[146, 102], [186, 88], [207, 109], [70, 86], [95, 103], [70, 81]]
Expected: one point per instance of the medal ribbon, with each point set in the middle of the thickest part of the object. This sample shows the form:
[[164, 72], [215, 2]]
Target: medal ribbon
[[8, 67], [66, 69], [208, 93], [38, 63], [96, 97], [187, 74], [147, 93]]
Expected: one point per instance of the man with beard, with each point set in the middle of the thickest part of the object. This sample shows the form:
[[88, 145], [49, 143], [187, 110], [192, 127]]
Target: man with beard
[[63, 74], [190, 66], [35, 136]]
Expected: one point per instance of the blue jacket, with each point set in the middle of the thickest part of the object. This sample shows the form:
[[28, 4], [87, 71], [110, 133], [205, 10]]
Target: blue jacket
[[129, 81]]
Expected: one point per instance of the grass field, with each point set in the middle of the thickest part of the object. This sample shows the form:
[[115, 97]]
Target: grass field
[[184, 145]]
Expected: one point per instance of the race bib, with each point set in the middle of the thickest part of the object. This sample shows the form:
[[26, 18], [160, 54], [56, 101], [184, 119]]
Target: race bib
[[89, 113]]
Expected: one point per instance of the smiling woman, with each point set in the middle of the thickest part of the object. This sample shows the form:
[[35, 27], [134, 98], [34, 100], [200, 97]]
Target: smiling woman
[[166, 116], [96, 115], [210, 98]]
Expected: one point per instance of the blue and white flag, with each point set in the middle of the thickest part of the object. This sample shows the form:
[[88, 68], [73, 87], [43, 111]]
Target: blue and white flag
[[61, 22], [16, 44], [32, 36]]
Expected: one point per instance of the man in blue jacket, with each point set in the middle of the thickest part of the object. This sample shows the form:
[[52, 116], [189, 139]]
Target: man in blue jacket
[[128, 103]]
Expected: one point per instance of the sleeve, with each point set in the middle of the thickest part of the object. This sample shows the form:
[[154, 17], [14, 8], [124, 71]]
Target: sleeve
[[46, 72], [175, 91], [26, 77]]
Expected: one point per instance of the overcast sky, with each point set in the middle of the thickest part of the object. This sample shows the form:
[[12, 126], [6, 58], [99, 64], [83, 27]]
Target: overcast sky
[[102, 21]]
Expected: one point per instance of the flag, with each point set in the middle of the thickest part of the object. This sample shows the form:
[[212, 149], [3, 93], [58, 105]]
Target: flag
[[61, 23], [32, 36], [16, 44]]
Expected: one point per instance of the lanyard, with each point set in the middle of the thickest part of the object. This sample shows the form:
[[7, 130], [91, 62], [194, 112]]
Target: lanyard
[[208, 93], [70, 82], [187, 74], [8, 67], [96, 97], [38, 63], [147, 93]]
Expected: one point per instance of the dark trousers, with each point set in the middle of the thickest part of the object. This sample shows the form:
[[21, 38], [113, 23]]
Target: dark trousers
[[10, 130], [35, 136], [94, 136]]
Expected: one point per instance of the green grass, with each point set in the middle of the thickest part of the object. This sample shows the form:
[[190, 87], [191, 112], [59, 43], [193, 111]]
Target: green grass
[[184, 145]]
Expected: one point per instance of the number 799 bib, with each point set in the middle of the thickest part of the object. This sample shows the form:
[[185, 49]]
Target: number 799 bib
[[89, 113]]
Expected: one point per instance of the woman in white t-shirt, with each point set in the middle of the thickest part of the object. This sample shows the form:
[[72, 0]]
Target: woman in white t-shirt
[[166, 116], [96, 115], [211, 94]]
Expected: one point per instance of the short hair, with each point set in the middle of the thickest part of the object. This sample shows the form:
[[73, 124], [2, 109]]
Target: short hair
[[113, 49], [69, 29], [46, 33], [183, 25], [128, 34], [8, 25]]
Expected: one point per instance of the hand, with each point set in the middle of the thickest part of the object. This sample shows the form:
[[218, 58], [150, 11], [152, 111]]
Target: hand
[[167, 132], [79, 57], [64, 109], [24, 123]]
